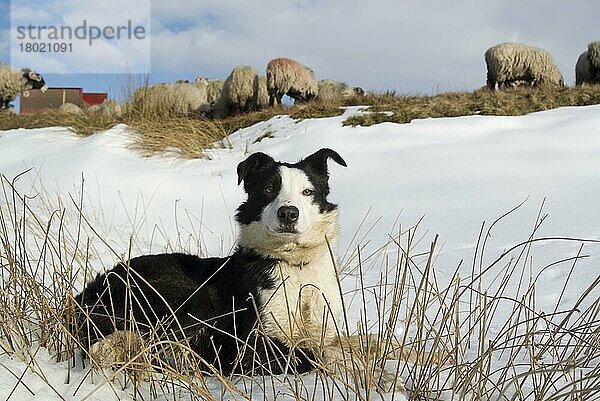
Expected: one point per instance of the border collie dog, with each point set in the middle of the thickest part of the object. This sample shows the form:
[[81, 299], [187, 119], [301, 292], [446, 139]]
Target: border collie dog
[[269, 307]]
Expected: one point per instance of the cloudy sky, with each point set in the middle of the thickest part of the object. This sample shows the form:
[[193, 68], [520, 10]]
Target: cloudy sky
[[412, 47]]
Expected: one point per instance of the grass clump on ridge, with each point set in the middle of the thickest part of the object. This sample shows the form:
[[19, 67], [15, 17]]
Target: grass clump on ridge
[[512, 102], [162, 129]]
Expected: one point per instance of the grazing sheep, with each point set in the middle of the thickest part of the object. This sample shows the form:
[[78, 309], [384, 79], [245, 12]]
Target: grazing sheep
[[239, 89], [513, 63], [288, 77], [108, 108], [243, 91], [332, 90], [587, 69], [69, 108], [594, 53], [15, 83], [215, 87], [584, 70], [180, 99]]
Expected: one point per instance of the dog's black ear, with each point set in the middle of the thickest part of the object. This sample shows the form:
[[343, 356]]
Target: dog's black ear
[[255, 162], [318, 160]]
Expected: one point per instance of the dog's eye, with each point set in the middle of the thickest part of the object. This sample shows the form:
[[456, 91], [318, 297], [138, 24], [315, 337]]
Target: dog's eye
[[308, 192], [269, 189]]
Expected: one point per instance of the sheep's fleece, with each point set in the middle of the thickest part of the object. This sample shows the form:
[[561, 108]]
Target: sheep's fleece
[[15, 83], [508, 63], [288, 77]]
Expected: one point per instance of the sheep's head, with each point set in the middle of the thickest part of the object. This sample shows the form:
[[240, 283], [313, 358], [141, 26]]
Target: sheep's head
[[34, 81]]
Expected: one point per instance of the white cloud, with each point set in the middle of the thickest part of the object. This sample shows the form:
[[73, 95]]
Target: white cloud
[[23, 13], [408, 46], [127, 54]]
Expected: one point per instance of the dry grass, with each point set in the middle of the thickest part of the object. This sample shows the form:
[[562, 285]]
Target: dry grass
[[511, 102], [187, 138], [474, 336], [82, 124], [164, 129]]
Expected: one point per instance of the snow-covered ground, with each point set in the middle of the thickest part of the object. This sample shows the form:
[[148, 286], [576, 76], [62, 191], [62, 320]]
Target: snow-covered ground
[[453, 173]]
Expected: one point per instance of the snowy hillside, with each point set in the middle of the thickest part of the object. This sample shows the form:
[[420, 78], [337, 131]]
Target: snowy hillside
[[448, 175]]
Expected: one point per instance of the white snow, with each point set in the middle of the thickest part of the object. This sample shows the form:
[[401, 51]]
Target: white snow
[[454, 172]]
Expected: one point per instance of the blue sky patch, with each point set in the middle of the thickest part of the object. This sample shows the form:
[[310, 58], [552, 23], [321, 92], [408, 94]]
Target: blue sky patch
[[4, 27]]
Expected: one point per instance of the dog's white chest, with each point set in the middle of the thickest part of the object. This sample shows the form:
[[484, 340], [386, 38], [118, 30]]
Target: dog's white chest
[[304, 303]]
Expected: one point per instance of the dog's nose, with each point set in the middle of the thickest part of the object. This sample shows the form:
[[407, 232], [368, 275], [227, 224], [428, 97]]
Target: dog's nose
[[288, 214]]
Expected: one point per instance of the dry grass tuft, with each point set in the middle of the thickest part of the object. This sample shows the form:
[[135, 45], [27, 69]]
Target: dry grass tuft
[[512, 102], [81, 123], [185, 137]]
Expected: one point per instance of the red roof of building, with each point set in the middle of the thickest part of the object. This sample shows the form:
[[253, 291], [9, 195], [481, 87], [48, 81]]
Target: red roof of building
[[93, 98]]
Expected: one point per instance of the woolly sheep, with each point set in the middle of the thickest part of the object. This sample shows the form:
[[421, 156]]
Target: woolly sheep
[[15, 83], [587, 69], [108, 108], [181, 99], [331, 90], [242, 92], [510, 63], [215, 87], [594, 53], [288, 77], [69, 108]]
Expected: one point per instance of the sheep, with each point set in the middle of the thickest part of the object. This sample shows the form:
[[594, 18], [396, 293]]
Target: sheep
[[584, 70], [179, 99], [243, 91], [587, 69], [239, 88], [332, 90], [15, 83], [215, 87], [288, 77], [108, 108], [594, 53], [69, 108], [512, 63]]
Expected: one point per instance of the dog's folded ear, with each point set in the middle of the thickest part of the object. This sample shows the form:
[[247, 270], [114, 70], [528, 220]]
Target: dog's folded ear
[[255, 162], [318, 160]]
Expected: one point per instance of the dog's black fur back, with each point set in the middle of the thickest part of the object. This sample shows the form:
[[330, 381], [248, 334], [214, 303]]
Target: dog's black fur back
[[202, 293]]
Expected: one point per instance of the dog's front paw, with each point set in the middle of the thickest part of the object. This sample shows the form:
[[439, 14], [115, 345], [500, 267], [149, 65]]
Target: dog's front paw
[[115, 349], [104, 354]]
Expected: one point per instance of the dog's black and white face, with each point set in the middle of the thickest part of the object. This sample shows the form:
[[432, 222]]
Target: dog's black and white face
[[287, 204]]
